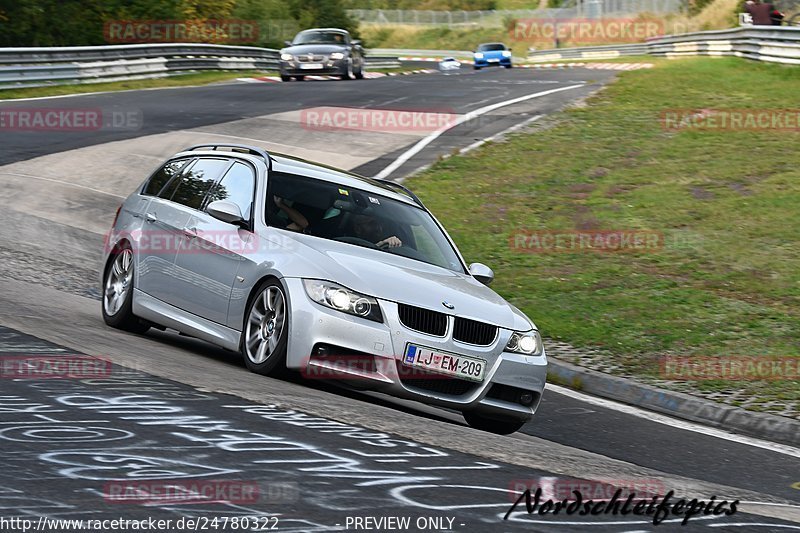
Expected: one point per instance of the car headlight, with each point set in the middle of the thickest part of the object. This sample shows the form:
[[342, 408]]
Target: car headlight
[[337, 55], [506, 53], [342, 299], [286, 57], [527, 343], [478, 55]]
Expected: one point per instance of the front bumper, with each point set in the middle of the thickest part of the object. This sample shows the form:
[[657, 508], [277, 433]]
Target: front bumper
[[328, 66], [507, 375], [501, 62]]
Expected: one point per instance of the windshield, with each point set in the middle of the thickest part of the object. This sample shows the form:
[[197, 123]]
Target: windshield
[[344, 214], [320, 37], [491, 47]]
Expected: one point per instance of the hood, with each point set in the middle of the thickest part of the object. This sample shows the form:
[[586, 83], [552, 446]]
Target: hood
[[399, 279], [325, 49]]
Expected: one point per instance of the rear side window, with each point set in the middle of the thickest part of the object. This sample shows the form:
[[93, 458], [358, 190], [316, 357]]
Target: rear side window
[[162, 176], [196, 182], [237, 186]]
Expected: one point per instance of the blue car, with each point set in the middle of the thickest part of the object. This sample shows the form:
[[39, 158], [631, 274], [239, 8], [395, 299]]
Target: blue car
[[492, 55]]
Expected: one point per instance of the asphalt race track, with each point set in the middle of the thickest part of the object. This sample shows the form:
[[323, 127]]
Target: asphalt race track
[[319, 455]]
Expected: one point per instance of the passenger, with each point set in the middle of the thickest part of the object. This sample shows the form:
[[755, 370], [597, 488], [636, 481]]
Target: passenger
[[298, 222], [370, 229]]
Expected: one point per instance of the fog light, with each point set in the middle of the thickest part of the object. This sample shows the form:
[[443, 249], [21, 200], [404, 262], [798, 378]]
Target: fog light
[[526, 399], [321, 350]]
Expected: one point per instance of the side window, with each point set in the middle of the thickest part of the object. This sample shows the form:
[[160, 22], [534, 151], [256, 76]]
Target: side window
[[196, 182], [162, 176], [237, 186]]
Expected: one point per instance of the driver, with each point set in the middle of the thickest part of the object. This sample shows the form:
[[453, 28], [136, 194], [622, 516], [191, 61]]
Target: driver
[[370, 229]]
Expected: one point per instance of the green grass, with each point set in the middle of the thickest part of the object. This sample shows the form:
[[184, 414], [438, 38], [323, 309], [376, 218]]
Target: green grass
[[435, 38], [199, 78], [726, 282]]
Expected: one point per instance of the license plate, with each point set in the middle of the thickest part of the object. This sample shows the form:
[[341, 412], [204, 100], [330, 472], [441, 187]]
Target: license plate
[[450, 364], [494, 61], [311, 66]]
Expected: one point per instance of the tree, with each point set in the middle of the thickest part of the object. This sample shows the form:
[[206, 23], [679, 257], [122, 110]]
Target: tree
[[323, 14]]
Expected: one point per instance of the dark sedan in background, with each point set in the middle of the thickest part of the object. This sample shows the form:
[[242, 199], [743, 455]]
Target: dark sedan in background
[[322, 51]]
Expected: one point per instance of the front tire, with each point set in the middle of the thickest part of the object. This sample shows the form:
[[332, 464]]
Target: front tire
[[285, 78], [476, 67], [299, 78], [348, 73], [266, 330], [117, 304], [500, 426]]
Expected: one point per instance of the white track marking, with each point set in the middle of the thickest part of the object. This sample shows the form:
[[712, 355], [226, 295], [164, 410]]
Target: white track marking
[[751, 524], [674, 422], [422, 143], [60, 182]]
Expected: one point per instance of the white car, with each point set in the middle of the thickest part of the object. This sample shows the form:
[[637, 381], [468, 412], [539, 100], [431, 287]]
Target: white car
[[301, 266], [449, 63]]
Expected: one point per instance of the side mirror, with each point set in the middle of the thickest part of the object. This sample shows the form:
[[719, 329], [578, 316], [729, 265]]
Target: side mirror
[[287, 43], [355, 42], [226, 212], [480, 272]]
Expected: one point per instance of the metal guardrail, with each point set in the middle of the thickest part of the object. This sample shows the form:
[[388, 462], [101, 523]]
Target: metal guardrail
[[32, 67], [589, 52], [402, 52], [35, 67], [382, 61], [777, 44]]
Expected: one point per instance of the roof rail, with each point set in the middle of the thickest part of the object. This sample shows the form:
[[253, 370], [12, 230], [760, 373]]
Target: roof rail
[[399, 187], [252, 150]]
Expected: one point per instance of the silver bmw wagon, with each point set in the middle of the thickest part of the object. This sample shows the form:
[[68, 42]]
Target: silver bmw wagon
[[300, 266]]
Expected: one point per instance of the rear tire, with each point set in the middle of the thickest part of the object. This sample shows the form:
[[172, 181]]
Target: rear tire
[[509, 66], [299, 78], [500, 426], [476, 67], [117, 298], [286, 78], [360, 74], [265, 331]]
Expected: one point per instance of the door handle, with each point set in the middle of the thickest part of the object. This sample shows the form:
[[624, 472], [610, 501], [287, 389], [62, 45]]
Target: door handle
[[190, 232], [151, 217]]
